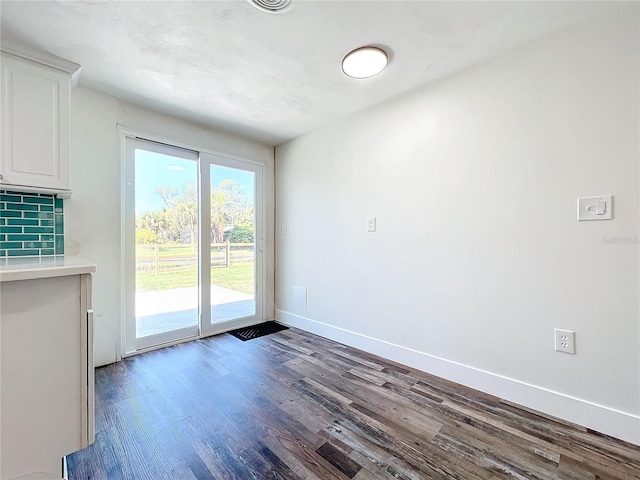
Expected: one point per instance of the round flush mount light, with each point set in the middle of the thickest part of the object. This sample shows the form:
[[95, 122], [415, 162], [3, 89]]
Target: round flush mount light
[[271, 6], [365, 62]]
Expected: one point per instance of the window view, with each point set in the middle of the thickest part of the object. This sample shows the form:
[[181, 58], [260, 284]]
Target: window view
[[233, 244], [166, 244], [166, 215]]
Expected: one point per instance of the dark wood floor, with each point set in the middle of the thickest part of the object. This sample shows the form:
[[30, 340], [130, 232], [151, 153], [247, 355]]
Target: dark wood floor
[[295, 406]]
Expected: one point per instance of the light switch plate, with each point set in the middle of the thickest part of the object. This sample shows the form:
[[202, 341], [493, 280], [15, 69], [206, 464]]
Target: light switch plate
[[371, 224], [595, 208]]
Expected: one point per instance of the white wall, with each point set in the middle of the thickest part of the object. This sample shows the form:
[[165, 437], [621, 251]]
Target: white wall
[[93, 214], [478, 254]]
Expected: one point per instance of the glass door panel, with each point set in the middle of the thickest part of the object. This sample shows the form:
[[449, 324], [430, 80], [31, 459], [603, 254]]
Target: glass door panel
[[166, 246], [233, 243], [193, 244]]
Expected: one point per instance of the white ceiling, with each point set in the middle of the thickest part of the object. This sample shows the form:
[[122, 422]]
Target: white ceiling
[[273, 77]]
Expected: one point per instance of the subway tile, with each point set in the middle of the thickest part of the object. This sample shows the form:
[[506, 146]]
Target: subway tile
[[37, 245], [39, 200], [22, 222], [21, 207], [22, 253], [59, 223], [22, 237], [40, 215], [11, 213], [38, 229], [59, 244], [28, 224]]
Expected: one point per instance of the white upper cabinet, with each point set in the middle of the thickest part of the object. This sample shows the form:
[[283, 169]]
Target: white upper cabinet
[[36, 135]]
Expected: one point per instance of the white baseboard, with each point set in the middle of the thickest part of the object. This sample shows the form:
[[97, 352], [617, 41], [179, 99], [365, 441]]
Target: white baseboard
[[609, 421]]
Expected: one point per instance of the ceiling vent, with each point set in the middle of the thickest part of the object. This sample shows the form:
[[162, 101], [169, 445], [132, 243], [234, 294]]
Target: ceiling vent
[[271, 6]]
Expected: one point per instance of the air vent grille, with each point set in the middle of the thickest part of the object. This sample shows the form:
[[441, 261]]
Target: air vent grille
[[272, 6]]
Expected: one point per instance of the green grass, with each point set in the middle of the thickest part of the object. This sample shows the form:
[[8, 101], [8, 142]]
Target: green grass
[[237, 277]]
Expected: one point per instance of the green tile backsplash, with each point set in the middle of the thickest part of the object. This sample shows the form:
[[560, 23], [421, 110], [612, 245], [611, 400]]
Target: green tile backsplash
[[31, 224]]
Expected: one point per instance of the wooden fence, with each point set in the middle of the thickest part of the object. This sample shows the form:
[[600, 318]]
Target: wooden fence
[[164, 258]]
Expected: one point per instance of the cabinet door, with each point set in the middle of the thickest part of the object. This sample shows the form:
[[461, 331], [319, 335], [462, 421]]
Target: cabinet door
[[35, 125], [42, 375]]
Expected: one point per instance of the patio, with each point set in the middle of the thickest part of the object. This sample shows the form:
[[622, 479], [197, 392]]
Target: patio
[[160, 311]]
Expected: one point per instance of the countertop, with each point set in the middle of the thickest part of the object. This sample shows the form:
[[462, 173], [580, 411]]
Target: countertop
[[28, 268]]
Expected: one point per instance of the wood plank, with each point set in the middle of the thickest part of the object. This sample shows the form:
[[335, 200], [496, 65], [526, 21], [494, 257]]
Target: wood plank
[[292, 406]]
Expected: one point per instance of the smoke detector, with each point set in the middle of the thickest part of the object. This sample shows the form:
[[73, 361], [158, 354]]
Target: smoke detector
[[271, 6]]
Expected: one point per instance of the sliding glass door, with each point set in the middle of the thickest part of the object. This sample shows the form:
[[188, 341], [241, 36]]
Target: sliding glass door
[[232, 242], [193, 247]]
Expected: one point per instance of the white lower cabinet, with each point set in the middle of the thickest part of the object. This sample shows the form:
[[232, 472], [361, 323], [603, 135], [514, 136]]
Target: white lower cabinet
[[47, 386]]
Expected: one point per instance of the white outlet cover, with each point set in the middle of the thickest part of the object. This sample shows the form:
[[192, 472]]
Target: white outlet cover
[[565, 340], [595, 208]]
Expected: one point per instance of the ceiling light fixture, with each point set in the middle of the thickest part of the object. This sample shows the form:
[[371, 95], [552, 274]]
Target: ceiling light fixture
[[365, 62]]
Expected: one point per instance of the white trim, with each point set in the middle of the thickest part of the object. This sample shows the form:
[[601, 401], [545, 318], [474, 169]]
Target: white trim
[[228, 326], [192, 331], [128, 245], [142, 135], [60, 193], [204, 246], [616, 423], [122, 343], [42, 58]]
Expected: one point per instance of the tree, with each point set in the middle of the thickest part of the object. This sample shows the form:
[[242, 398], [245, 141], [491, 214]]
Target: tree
[[168, 195], [184, 218], [218, 219], [158, 223], [236, 200], [145, 236], [190, 191], [241, 234], [231, 209]]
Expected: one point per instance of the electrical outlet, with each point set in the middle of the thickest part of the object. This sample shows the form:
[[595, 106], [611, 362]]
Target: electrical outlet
[[565, 340], [371, 224]]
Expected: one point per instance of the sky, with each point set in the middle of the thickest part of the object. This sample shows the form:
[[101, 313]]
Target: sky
[[153, 170]]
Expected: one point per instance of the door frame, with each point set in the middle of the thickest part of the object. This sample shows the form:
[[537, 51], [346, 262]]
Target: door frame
[[206, 161], [127, 346]]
